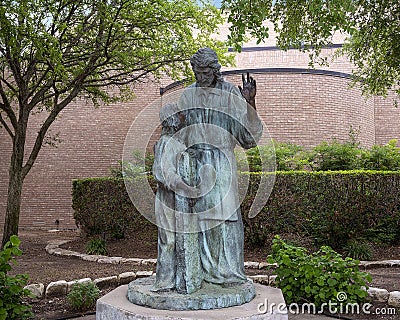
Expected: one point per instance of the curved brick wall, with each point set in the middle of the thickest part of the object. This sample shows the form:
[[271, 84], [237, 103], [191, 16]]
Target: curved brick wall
[[301, 107], [307, 108]]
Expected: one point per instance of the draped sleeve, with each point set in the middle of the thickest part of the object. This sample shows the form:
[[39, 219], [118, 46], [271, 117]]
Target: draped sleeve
[[167, 151]]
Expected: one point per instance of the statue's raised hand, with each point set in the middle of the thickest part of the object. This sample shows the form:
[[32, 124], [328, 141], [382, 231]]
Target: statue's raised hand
[[249, 89]]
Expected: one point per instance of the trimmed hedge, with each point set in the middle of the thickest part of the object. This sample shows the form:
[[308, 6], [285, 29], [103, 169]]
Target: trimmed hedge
[[102, 207], [334, 206], [331, 207]]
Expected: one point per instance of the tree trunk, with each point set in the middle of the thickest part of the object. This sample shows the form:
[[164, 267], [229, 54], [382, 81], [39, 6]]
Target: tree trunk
[[13, 205], [16, 178]]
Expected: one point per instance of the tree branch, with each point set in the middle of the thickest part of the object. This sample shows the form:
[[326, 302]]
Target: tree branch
[[44, 128], [8, 84], [116, 79], [7, 107], [40, 95], [5, 125]]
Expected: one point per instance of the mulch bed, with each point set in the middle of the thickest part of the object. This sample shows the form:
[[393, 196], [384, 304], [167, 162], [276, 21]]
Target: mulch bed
[[45, 268]]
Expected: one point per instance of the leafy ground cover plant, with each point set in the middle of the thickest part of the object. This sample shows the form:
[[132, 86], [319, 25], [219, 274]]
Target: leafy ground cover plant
[[12, 292], [83, 296], [96, 246], [358, 249], [318, 277]]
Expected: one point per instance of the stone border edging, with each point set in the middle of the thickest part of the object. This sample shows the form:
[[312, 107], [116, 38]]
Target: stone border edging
[[54, 248], [62, 287]]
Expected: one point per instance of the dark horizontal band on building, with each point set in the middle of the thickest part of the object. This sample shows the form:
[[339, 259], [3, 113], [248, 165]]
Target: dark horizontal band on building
[[275, 48]]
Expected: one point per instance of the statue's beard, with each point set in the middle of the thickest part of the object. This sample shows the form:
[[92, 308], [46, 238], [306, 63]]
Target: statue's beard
[[206, 83]]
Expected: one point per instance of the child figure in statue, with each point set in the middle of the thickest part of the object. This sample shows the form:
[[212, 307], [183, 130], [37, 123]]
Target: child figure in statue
[[167, 152]]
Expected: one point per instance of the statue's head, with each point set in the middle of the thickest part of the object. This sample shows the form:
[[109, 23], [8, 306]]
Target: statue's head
[[206, 68]]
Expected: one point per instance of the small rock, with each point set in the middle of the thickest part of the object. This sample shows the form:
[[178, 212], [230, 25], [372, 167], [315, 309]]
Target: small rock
[[126, 277], [56, 289], [51, 246], [143, 274], [394, 299], [272, 280], [377, 294], [37, 289], [51, 249], [106, 282], [394, 263], [134, 261], [69, 253], [149, 262], [261, 279], [71, 283], [251, 264], [264, 265], [57, 252], [110, 260], [92, 257]]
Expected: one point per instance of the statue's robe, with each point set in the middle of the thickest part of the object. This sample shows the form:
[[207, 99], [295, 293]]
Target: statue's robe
[[216, 122]]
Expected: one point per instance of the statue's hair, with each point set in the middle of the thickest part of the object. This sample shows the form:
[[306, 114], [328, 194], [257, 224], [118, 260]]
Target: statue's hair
[[206, 57]]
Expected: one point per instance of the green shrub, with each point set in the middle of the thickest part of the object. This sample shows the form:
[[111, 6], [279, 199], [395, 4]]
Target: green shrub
[[358, 249], [329, 207], [387, 230], [318, 277], [336, 156], [290, 156], [327, 156], [136, 165], [102, 206], [385, 157], [280, 156], [12, 292], [96, 246], [260, 155], [83, 296]]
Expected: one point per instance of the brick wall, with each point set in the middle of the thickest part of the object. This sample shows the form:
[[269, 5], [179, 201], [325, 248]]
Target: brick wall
[[92, 143], [387, 119]]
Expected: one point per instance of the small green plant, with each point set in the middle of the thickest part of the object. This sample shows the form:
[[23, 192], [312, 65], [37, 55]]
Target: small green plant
[[12, 292], [96, 246], [318, 277], [83, 296], [358, 249]]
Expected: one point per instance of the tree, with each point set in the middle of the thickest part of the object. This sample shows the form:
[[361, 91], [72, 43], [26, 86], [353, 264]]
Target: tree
[[52, 51], [372, 29]]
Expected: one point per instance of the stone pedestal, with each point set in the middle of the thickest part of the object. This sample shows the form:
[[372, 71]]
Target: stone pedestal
[[267, 304], [209, 296]]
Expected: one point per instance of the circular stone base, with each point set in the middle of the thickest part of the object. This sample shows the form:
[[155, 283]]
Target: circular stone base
[[210, 296]]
